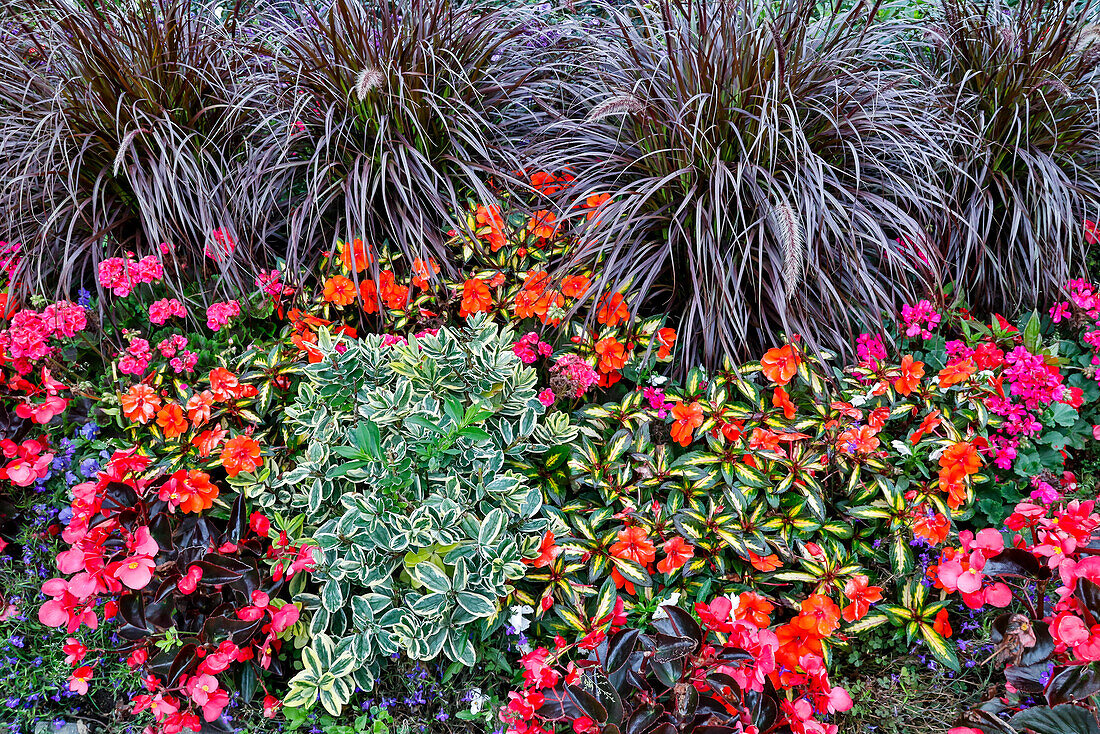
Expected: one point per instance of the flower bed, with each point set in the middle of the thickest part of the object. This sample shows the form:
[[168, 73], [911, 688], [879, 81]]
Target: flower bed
[[275, 511]]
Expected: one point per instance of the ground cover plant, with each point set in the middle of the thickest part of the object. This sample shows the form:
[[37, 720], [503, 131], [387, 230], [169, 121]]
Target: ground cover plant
[[415, 384]]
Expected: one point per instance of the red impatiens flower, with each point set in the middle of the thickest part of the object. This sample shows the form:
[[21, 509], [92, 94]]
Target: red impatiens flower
[[780, 364], [241, 454], [941, 626], [547, 552], [861, 597], [754, 608], [339, 291], [911, 372], [677, 553], [688, 417], [634, 545], [781, 399], [476, 297]]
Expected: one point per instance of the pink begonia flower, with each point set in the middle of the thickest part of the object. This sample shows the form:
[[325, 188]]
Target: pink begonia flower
[[988, 539], [142, 543], [284, 617], [78, 681], [1090, 648], [201, 687], [1071, 630], [190, 580], [999, 595], [136, 571], [839, 700]]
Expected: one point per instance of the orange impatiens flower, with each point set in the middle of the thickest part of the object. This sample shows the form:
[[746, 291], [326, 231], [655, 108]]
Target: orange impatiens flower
[[911, 372], [688, 417], [199, 407], [423, 272], [241, 454], [764, 564], [191, 491], [613, 310], [140, 403], [393, 295], [953, 374], [666, 338], [819, 616], [368, 295], [339, 291], [634, 545], [209, 440], [541, 224], [959, 461], [861, 440], [861, 597], [754, 609], [931, 527], [781, 399], [930, 423], [594, 202], [612, 355], [677, 553], [172, 421], [224, 385], [780, 364], [353, 255], [490, 226], [476, 297], [574, 286]]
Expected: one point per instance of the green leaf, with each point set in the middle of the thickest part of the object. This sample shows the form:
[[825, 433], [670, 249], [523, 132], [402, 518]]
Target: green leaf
[[476, 604], [429, 574], [1033, 338], [940, 648], [491, 527]]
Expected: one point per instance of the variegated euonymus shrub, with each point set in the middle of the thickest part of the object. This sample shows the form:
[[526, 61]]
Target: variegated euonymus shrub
[[408, 488]]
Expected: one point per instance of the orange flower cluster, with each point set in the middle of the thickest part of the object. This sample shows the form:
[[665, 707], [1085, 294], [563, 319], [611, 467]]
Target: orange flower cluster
[[957, 462], [634, 545], [817, 618], [141, 403], [191, 491]]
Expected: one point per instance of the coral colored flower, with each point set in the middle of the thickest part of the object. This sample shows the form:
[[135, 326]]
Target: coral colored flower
[[818, 616], [932, 528], [476, 297], [423, 272], [780, 364], [754, 609], [612, 355], [677, 553], [353, 255], [911, 372], [634, 545], [765, 564], [953, 374], [241, 454], [140, 403], [541, 224], [199, 407], [930, 423], [781, 399], [861, 597], [613, 310], [574, 286], [959, 461], [172, 421], [666, 338], [686, 418], [339, 291]]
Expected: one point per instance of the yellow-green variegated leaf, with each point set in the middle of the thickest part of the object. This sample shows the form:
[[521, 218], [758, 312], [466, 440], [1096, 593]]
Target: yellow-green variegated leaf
[[940, 647]]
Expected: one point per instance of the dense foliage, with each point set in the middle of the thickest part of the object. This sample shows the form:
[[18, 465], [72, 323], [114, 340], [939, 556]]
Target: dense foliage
[[438, 367]]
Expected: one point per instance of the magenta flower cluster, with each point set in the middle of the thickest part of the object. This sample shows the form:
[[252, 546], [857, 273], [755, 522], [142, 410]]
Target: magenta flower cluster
[[26, 340], [122, 275]]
